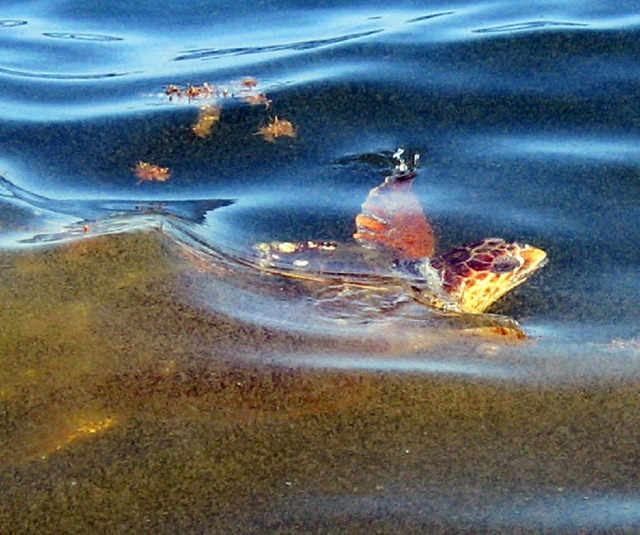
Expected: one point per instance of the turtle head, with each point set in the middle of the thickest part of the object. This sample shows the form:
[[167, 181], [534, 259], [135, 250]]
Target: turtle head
[[471, 278], [477, 275]]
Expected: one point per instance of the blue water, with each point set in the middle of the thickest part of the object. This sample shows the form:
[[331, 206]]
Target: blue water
[[526, 114]]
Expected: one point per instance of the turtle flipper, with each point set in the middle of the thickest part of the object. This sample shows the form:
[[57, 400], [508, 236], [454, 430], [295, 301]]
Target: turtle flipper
[[392, 218]]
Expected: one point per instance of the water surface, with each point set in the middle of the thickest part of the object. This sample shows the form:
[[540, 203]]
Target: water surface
[[145, 385]]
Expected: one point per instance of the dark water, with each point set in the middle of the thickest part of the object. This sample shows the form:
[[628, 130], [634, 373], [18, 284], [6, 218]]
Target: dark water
[[526, 116]]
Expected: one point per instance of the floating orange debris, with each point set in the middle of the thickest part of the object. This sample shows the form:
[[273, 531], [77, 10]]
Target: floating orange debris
[[256, 99], [147, 172], [208, 117], [249, 82], [244, 88], [192, 92], [205, 90], [277, 128], [172, 91]]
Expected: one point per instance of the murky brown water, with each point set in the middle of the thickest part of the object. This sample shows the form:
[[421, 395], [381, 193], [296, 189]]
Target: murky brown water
[[126, 410]]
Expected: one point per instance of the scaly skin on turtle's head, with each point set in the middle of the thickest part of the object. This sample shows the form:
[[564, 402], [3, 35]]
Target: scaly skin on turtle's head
[[471, 278]]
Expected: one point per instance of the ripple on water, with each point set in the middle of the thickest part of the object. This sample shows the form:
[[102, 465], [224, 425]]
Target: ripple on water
[[11, 23], [82, 36]]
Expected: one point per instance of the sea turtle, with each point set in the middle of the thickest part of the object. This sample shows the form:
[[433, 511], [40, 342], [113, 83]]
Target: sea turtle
[[392, 222], [391, 261]]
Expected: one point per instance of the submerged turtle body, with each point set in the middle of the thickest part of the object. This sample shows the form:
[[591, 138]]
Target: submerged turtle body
[[392, 223]]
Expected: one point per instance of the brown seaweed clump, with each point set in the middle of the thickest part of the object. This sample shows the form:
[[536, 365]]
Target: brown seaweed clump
[[147, 172], [192, 92], [256, 99], [277, 128], [249, 82], [172, 91], [205, 90], [208, 117], [244, 89]]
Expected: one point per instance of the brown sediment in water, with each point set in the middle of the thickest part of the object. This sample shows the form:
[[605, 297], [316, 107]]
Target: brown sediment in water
[[125, 408], [93, 324]]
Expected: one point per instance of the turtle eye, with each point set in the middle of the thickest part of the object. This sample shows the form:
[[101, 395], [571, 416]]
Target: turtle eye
[[505, 264]]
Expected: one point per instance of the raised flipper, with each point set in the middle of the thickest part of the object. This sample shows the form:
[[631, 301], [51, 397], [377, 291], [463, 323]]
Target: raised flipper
[[392, 218]]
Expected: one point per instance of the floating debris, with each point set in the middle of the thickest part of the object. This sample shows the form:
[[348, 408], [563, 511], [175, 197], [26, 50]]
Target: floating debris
[[147, 172], [206, 91], [215, 97], [208, 117], [172, 91], [256, 99], [191, 92], [277, 128], [249, 82]]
